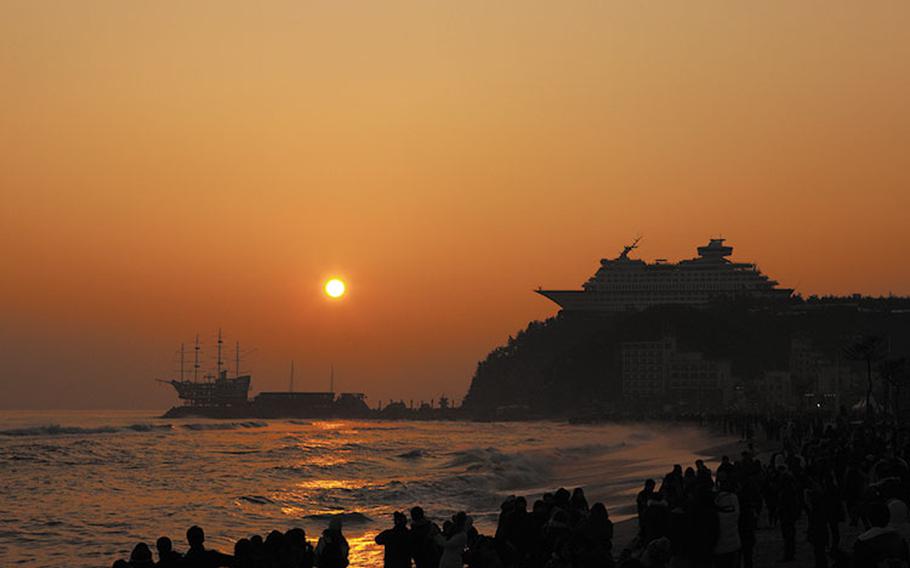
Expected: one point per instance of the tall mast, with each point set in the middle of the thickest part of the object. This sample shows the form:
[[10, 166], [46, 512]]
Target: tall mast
[[219, 362], [237, 359], [196, 360], [182, 354], [292, 376], [332, 379]]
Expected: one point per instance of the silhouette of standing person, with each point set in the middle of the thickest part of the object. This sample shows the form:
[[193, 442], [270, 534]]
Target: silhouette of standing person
[[332, 549], [424, 548], [453, 542], [788, 513], [397, 543], [641, 501]]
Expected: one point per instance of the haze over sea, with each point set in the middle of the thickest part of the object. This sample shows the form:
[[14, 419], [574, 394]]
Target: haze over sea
[[81, 488]]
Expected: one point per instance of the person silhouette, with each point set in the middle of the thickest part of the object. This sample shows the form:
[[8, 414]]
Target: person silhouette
[[881, 545], [198, 556], [243, 554], [300, 552], [141, 556], [332, 549], [397, 542], [453, 540], [424, 549], [167, 557]]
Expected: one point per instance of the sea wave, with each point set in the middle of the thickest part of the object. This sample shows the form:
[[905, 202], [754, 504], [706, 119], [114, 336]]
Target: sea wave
[[347, 517], [503, 470], [590, 449], [150, 427], [413, 454], [256, 499], [58, 430], [224, 425]]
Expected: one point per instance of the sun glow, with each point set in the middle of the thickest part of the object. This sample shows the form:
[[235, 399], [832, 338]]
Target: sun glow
[[334, 288]]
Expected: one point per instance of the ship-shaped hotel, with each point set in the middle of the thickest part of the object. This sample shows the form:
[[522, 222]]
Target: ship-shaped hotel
[[624, 283]]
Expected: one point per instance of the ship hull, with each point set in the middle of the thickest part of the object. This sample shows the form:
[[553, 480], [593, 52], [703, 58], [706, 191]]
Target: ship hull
[[209, 412], [268, 409]]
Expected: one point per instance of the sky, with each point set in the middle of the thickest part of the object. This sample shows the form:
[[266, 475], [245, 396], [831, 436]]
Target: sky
[[169, 168]]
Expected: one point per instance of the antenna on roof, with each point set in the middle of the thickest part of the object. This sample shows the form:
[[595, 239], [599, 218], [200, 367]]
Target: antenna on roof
[[629, 248]]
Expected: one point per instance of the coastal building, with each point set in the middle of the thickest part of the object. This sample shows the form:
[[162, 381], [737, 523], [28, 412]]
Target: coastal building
[[645, 367], [774, 390], [820, 378], [657, 370], [624, 283]]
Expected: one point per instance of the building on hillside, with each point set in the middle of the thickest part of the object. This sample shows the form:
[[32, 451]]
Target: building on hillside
[[658, 371], [774, 391], [821, 379]]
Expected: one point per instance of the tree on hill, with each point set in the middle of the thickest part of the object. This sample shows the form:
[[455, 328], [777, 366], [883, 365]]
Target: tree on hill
[[895, 374], [867, 349]]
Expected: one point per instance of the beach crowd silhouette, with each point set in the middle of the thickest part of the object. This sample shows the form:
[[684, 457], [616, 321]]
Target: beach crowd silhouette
[[821, 476]]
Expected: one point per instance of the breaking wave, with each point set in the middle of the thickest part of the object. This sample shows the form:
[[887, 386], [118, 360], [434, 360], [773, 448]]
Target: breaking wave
[[58, 430], [503, 470], [224, 425], [149, 427]]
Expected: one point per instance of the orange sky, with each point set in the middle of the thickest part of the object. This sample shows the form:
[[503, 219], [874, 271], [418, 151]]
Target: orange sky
[[166, 168]]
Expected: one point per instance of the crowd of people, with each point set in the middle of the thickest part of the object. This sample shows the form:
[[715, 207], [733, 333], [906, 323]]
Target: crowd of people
[[827, 473], [560, 530]]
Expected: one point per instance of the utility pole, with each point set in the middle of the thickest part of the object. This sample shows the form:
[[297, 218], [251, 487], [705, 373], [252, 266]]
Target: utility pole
[[220, 363], [196, 360]]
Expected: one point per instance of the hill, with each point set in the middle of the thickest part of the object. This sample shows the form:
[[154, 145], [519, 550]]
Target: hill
[[571, 363]]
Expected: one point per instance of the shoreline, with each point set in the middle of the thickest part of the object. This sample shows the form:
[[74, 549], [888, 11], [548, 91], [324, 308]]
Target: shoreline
[[687, 441]]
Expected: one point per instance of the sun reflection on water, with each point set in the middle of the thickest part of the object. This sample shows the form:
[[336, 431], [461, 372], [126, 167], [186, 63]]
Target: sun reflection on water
[[239, 479]]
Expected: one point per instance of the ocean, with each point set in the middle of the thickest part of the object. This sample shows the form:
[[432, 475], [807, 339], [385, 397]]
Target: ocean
[[79, 489]]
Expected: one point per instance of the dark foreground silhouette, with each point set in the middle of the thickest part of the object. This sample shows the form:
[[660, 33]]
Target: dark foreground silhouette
[[823, 475]]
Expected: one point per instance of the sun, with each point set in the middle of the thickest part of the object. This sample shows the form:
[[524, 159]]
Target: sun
[[334, 288]]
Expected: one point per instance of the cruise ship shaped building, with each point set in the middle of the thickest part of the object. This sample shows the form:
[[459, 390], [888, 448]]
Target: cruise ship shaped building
[[624, 283]]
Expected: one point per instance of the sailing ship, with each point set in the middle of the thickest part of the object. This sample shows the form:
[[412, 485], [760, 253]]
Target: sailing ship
[[221, 396]]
